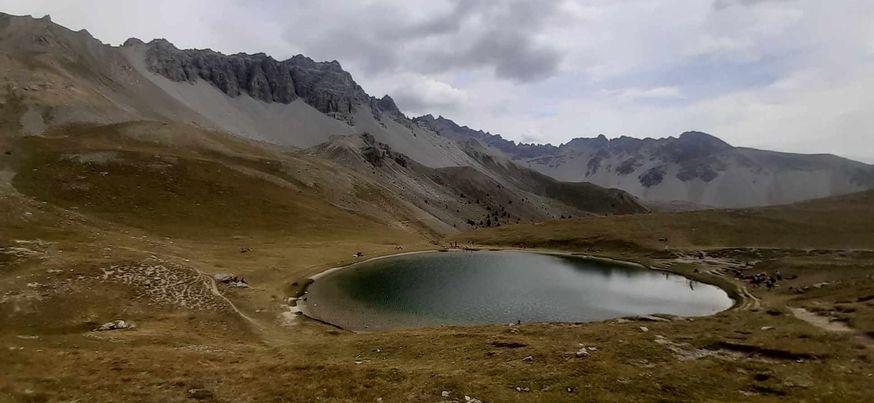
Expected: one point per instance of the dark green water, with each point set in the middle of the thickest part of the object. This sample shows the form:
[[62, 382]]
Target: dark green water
[[499, 287]]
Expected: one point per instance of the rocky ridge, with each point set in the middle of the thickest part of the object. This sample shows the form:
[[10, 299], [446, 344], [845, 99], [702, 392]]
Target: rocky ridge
[[323, 85], [694, 167]]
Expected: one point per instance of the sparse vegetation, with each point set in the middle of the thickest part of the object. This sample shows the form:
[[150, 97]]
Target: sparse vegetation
[[256, 353], [128, 224]]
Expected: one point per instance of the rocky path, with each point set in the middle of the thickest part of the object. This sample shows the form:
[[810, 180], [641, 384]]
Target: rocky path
[[210, 284], [825, 323]]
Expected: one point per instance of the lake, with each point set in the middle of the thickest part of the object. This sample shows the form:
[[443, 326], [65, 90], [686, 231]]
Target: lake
[[466, 287]]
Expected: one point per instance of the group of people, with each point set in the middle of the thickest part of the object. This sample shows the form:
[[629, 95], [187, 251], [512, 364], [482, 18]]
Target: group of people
[[763, 278]]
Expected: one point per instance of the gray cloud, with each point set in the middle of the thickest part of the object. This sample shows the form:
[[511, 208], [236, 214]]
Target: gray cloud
[[750, 71], [469, 34], [721, 4]]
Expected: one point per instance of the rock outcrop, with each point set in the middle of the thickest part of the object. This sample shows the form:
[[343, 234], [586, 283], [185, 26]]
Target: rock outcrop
[[324, 85]]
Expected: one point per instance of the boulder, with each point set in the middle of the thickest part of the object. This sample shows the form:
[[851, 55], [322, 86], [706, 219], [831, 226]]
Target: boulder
[[231, 280], [114, 325]]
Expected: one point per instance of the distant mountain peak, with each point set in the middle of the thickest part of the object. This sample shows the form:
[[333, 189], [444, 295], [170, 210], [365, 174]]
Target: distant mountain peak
[[133, 42], [701, 137]]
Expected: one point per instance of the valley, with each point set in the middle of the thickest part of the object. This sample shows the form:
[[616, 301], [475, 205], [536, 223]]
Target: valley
[[162, 212]]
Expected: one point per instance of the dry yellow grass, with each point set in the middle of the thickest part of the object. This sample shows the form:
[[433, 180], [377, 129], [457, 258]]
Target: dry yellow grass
[[247, 348]]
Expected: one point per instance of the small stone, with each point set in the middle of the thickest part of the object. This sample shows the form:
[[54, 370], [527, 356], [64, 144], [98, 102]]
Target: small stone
[[767, 327], [644, 329], [583, 352], [528, 358], [444, 393], [199, 393]]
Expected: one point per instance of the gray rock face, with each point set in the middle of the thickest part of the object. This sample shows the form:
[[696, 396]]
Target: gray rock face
[[448, 128], [376, 153], [324, 85], [695, 167]]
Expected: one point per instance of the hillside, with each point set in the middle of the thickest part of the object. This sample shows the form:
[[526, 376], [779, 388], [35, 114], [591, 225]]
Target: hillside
[[66, 82], [841, 222], [693, 169]]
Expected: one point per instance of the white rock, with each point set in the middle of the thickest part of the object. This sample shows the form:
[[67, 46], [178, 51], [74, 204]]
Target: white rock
[[644, 329], [444, 393], [114, 325]]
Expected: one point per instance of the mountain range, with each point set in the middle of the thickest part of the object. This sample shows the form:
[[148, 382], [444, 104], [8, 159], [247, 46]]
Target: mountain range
[[694, 169], [304, 125], [427, 172], [168, 216]]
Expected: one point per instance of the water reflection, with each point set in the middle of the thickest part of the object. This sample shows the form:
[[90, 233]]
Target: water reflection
[[500, 287]]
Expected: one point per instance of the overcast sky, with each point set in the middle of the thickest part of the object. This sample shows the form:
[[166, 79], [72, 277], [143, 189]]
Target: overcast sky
[[789, 75]]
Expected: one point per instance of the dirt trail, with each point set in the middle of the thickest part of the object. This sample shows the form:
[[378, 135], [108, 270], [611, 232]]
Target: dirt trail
[[210, 284], [825, 323]]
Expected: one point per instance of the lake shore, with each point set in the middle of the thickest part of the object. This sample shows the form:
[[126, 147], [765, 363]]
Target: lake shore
[[306, 306]]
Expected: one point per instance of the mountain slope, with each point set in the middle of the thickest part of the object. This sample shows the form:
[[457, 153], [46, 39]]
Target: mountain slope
[[463, 197], [692, 168], [64, 83]]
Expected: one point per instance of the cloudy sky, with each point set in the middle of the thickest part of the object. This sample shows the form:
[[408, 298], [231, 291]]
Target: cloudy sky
[[790, 75]]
